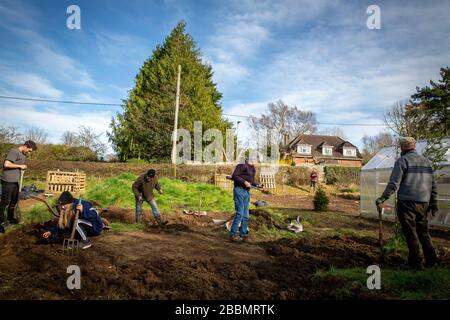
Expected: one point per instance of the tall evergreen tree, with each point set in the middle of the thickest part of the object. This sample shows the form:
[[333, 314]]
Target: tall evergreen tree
[[145, 127]]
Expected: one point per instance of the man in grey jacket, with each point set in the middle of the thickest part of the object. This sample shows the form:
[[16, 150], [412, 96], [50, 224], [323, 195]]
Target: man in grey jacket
[[416, 197]]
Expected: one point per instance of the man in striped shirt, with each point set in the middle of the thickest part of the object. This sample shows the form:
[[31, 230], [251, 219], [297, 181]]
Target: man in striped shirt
[[416, 198]]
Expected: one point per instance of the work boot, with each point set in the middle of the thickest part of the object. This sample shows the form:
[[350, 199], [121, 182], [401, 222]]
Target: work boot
[[84, 244], [234, 238], [245, 238], [160, 221], [432, 263], [13, 221]]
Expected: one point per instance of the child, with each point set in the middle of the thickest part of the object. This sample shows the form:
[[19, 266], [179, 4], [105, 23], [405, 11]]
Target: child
[[89, 221]]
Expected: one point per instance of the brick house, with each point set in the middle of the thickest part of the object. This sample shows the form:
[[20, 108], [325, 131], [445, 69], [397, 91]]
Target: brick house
[[323, 150]]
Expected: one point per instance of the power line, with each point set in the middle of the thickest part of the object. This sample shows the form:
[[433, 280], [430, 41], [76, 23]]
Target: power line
[[225, 114]]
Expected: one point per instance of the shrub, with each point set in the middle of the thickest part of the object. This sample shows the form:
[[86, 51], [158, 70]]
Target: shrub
[[321, 200], [342, 175]]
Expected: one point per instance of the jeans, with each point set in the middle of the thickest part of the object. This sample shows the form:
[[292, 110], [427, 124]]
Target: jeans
[[152, 204], [241, 203], [10, 197]]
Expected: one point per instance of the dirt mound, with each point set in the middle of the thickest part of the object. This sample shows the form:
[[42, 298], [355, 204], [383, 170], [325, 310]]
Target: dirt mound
[[260, 218]]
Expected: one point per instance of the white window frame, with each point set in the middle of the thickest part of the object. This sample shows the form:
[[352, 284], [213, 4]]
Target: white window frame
[[326, 153], [352, 150], [299, 146]]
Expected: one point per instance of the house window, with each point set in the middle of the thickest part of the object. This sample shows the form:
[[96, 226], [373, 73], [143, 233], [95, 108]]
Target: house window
[[349, 152], [327, 151], [304, 149]]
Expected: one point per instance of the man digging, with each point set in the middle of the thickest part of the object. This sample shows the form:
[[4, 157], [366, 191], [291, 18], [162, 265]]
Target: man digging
[[244, 178], [143, 191], [416, 197], [13, 164]]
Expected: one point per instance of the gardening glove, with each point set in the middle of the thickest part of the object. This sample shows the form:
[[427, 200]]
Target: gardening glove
[[433, 208], [380, 201]]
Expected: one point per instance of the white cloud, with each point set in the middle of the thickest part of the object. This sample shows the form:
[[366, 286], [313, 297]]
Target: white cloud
[[31, 84], [115, 48]]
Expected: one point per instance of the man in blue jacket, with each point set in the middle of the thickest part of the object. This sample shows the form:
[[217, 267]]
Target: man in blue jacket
[[416, 198], [89, 222]]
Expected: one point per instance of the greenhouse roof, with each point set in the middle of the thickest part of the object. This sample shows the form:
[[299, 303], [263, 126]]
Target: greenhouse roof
[[385, 158]]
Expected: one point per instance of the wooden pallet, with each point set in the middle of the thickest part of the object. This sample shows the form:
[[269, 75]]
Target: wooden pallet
[[221, 181], [59, 181], [268, 180]]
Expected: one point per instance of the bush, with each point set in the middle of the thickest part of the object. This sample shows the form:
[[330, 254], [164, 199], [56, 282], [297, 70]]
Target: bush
[[321, 200], [342, 175], [56, 152]]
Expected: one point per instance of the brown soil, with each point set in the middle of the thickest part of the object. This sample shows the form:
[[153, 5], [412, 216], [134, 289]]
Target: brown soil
[[190, 258]]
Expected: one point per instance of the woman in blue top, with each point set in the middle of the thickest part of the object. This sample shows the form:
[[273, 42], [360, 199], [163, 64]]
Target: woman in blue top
[[89, 222]]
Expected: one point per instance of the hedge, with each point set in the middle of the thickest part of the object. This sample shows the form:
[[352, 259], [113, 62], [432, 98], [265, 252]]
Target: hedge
[[342, 175], [54, 152]]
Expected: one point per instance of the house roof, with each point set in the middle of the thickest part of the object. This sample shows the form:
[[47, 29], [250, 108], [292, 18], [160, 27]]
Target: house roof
[[319, 141]]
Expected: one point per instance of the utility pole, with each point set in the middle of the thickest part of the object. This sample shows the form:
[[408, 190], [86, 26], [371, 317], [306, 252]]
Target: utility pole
[[175, 131]]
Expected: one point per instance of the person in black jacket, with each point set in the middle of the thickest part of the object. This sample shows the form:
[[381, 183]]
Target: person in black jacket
[[244, 178], [89, 221]]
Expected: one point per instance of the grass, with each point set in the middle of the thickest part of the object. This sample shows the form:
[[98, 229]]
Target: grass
[[178, 195], [37, 214], [126, 227], [432, 283]]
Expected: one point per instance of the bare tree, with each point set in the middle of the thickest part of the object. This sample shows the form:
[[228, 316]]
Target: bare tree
[[88, 138], [10, 134], [373, 144], [36, 134], [70, 139], [287, 121], [334, 131], [405, 119]]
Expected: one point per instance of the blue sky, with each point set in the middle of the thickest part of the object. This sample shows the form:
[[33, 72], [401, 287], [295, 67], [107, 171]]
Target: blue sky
[[318, 55]]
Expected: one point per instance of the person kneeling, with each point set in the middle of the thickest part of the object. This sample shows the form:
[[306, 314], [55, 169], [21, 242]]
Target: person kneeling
[[89, 222]]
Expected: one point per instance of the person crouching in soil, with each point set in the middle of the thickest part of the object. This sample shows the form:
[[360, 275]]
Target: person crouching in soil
[[244, 178], [89, 222], [143, 191]]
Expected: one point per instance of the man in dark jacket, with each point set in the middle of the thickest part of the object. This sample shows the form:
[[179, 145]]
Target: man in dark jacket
[[12, 166], [143, 191], [89, 222], [416, 197], [244, 178]]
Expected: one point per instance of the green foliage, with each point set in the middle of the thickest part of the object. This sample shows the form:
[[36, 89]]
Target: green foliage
[[321, 200], [397, 244], [127, 227], [37, 214], [146, 124], [178, 195], [396, 284], [430, 107], [342, 175], [54, 152]]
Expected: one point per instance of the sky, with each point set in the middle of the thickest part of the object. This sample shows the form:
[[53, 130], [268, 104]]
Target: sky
[[318, 55]]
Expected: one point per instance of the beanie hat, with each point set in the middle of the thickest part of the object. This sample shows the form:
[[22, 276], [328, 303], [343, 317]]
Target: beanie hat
[[66, 198], [407, 142], [151, 173]]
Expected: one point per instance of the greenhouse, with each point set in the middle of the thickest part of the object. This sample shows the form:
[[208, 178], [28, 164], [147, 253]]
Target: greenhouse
[[375, 175]]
